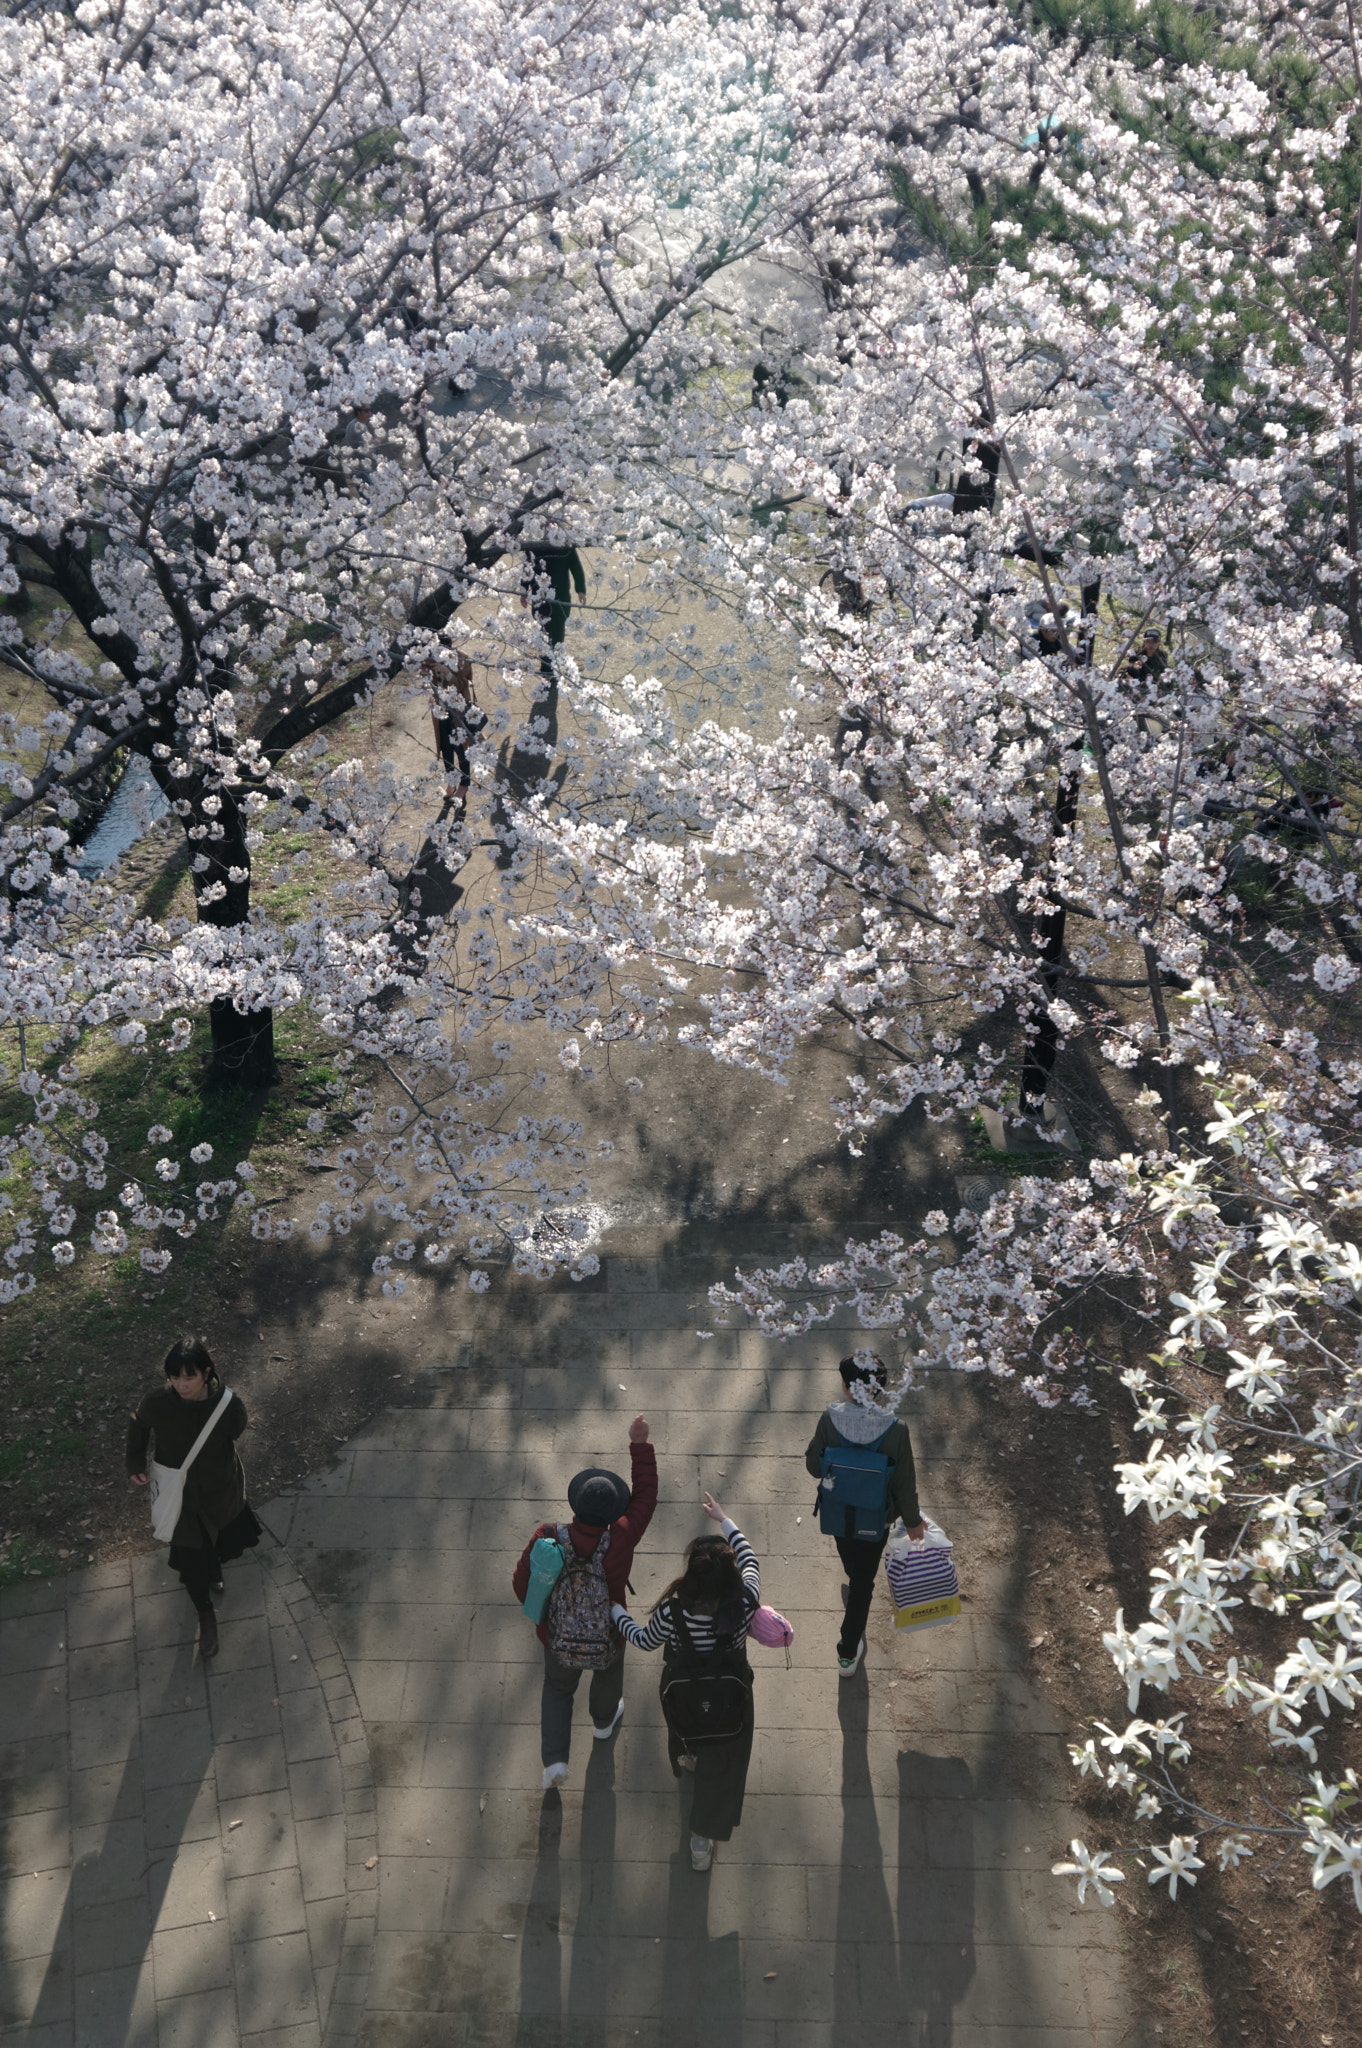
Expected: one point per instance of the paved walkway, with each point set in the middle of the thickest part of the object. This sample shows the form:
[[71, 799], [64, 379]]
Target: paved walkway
[[338, 1834]]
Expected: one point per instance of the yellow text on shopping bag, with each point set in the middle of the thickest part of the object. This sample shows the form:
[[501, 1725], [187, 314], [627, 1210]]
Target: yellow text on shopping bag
[[929, 1615]]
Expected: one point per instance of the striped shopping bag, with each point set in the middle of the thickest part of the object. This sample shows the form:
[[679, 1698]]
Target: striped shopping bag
[[922, 1581]]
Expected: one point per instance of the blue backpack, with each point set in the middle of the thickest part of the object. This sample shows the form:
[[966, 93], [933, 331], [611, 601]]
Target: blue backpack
[[853, 1493]]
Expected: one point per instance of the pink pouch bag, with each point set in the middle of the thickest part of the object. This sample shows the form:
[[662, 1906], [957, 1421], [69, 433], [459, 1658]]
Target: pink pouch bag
[[772, 1631]]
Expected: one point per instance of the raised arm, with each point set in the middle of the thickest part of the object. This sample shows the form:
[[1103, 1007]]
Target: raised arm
[[747, 1561], [642, 1480]]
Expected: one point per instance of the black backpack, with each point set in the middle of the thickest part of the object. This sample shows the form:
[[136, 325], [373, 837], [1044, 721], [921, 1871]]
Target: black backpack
[[706, 1694]]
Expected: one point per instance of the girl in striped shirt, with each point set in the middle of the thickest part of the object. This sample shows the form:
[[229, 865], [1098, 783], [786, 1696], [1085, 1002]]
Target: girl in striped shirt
[[717, 1594]]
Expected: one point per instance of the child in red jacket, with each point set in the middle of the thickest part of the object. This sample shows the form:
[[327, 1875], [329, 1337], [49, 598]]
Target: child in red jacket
[[599, 1501]]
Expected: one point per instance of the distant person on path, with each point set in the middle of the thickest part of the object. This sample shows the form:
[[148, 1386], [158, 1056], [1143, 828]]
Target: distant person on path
[[452, 735], [1151, 661], [609, 1518], [216, 1521], [861, 1424], [700, 1623]]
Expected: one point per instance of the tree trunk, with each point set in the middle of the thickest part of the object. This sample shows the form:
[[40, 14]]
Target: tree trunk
[[1042, 1043], [243, 1047]]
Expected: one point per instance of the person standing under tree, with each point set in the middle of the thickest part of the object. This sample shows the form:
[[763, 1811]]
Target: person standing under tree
[[216, 1522], [609, 1518], [861, 1424]]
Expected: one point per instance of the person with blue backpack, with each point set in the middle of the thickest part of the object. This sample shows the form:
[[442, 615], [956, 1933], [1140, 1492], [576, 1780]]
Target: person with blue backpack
[[862, 1457]]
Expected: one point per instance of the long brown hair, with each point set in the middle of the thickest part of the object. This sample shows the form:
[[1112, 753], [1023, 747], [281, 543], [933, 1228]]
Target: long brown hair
[[710, 1581]]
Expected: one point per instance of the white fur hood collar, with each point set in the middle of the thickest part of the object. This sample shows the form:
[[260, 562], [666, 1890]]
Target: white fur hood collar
[[858, 1425]]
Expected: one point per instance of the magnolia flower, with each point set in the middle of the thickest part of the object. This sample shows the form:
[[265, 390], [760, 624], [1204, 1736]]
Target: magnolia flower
[[1330, 1678], [1178, 1863], [1198, 1317], [1127, 1741], [1091, 1870], [1232, 1851], [1337, 1855]]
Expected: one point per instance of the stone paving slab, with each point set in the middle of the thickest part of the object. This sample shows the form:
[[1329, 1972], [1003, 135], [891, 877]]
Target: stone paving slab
[[154, 1888]]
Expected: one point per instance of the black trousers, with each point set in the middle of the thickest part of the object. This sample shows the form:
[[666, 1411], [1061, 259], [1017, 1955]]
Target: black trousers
[[861, 1563]]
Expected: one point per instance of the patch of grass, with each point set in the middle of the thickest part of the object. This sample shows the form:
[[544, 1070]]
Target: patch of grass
[[77, 1354], [23, 1558]]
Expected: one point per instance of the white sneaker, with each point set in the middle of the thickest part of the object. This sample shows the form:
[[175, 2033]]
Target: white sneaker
[[554, 1775], [701, 1852], [847, 1667], [604, 1734]]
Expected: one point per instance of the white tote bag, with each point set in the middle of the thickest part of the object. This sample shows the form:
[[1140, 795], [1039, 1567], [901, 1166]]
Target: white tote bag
[[167, 1481]]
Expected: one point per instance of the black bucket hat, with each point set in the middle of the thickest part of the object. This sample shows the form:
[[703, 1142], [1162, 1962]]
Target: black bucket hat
[[598, 1497]]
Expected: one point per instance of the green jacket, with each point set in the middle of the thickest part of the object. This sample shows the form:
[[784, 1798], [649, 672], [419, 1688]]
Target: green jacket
[[897, 1447]]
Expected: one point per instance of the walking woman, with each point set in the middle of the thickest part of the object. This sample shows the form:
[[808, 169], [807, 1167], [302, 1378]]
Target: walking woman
[[700, 1623], [216, 1523]]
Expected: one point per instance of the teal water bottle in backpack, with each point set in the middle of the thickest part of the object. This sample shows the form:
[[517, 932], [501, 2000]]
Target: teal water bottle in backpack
[[853, 1492], [546, 1568]]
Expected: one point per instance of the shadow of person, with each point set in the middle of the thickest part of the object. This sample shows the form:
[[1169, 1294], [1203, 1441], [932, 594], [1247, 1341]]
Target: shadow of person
[[142, 1824], [865, 1966], [523, 764], [702, 1995], [596, 1910], [936, 1894], [541, 1945]]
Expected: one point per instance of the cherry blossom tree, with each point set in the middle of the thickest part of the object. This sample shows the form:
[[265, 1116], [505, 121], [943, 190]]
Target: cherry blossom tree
[[979, 835], [316, 326]]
